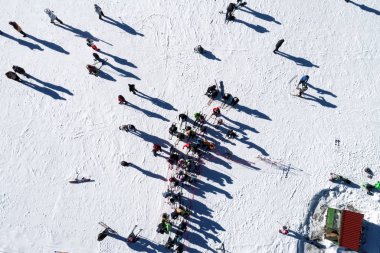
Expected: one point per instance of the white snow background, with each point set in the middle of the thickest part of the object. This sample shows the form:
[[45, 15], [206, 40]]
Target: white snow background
[[65, 120]]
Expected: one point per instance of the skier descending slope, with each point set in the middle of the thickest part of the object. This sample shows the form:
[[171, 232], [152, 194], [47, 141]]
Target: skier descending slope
[[52, 16]]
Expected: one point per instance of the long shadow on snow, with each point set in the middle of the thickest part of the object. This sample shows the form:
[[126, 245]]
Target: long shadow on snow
[[148, 113], [43, 90], [236, 159], [52, 86], [245, 139], [250, 111], [214, 159], [321, 91], [216, 176], [106, 76], [209, 55], [156, 101], [305, 239], [205, 227], [122, 26], [298, 60], [150, 138], [366, 8], [241, 126], [25, 43], [142, 245], [147, 172], [262, 16], [119, 60], [80, 33], [321, 100], [121, 71], [145, 245], [202, 187], [257, 28], [48, 44], [197, 207]]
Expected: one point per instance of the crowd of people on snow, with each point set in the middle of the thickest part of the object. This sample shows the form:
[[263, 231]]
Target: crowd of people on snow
[[184, 167]]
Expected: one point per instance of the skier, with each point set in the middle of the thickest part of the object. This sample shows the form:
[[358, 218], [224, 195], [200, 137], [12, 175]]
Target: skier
[[226, 97], [187, 146], [156, 148], [234, 101], [179, 248], [278, 45], [183, 225], [182, 117], [124, 163], [210, 90], [231, 134], [230, 9], [97, 57], [219, 123], [52, 16], [169, 244], [284, 230], [369, 188], [216, 111], [199, 49], [132, 88], [173, 129], [121, 100], [304, 87], [99, 11], [197, 116], [214, 94], [103, 234], [17, 28], [128, 128], [20, 71], [304, 80], [203, 130], [13, 76], [90, 43], [92, 70]]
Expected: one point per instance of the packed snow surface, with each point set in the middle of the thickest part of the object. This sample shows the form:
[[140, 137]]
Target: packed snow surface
[[63, 120]]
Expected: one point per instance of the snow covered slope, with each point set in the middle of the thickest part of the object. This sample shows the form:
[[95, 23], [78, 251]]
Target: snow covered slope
[[63, 120]]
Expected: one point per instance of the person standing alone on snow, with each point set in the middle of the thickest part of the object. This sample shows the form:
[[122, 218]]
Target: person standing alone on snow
[[52, 16], [303, 83], [17, 28], [278, 45], [132, 88], [99, 11]]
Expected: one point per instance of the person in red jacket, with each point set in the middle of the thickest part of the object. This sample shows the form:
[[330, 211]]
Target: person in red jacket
[[156, 148], [216, 111], [121, 100]]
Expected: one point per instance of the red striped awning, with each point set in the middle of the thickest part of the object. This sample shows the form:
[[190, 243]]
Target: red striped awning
[[351, 230]]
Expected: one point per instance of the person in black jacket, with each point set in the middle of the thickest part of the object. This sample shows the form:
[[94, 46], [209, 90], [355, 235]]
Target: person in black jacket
[[20, 71], [13, 76]]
